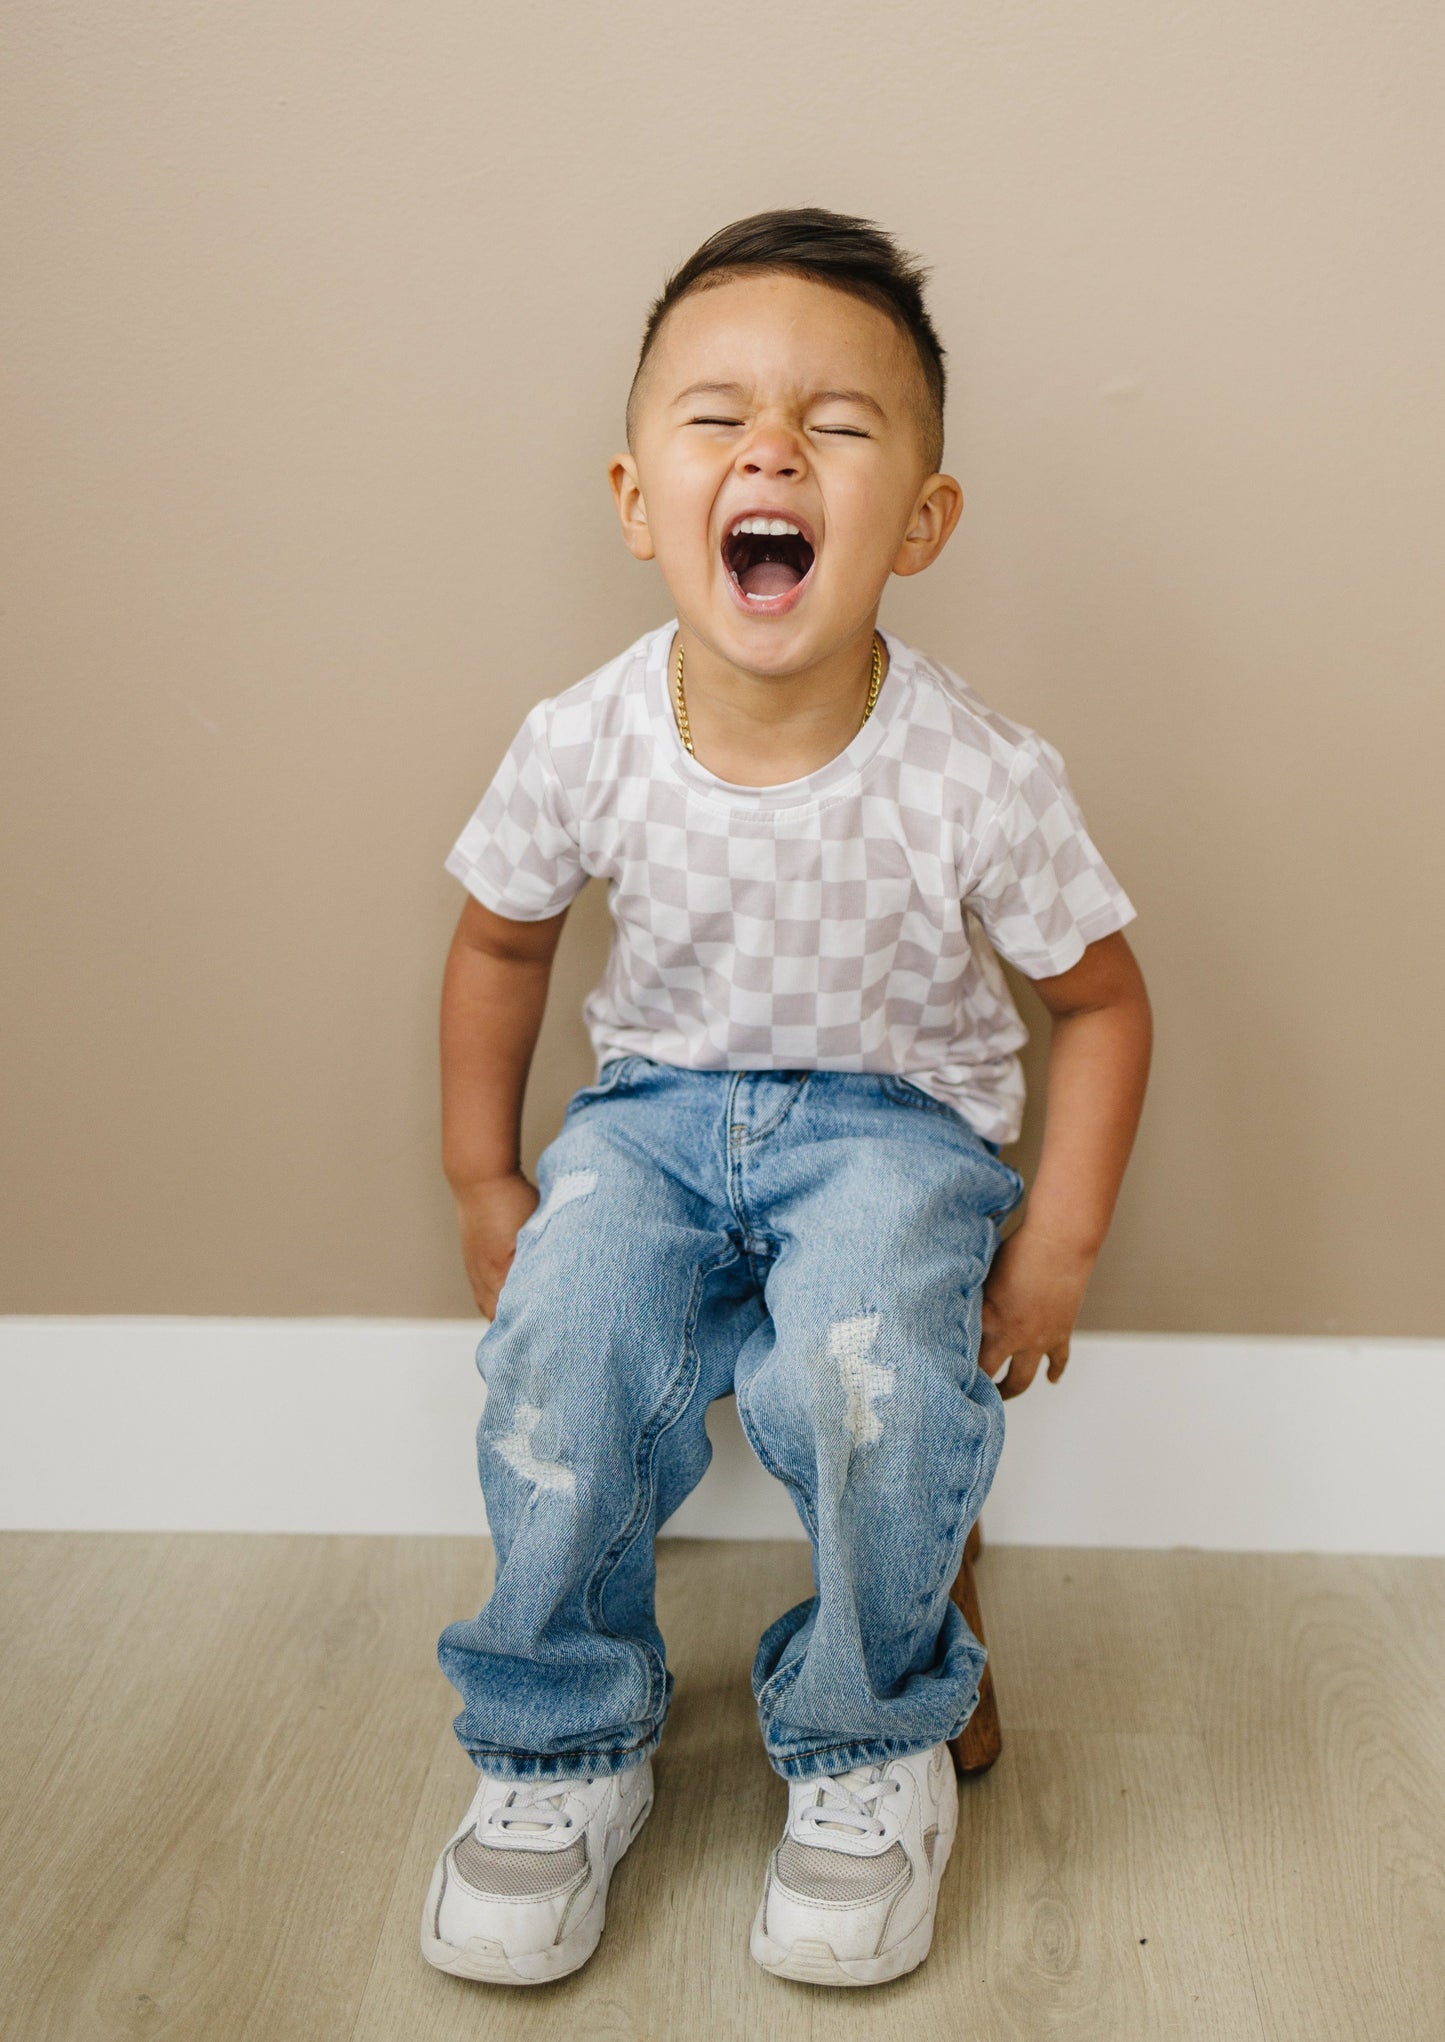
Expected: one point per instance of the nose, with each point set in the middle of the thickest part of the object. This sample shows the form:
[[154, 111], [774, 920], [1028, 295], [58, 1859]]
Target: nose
[[773, 449]]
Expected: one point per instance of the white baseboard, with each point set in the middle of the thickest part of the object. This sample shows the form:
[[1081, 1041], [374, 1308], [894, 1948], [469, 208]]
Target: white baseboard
[[366, 1425]]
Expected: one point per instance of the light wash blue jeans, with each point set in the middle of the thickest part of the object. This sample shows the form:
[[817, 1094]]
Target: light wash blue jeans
[[814, 1242]]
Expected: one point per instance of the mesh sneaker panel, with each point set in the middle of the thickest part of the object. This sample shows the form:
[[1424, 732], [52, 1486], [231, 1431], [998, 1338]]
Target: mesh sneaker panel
[[514, 1874], [815, 1874]]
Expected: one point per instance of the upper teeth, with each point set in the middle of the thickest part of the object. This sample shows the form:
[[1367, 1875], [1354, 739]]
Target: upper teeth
[[765, 528]]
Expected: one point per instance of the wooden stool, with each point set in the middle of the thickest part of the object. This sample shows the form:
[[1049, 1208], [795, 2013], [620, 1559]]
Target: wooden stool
[[980, 1741]]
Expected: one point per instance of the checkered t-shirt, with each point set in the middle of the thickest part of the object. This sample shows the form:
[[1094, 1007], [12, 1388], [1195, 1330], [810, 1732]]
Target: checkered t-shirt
[[846, 921]]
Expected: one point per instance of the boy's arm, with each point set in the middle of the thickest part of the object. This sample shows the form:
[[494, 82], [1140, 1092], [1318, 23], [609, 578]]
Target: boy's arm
[[493, 993], [1098, 1067]]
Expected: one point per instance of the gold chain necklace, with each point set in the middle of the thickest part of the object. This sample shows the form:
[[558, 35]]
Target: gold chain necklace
[[875, 681]]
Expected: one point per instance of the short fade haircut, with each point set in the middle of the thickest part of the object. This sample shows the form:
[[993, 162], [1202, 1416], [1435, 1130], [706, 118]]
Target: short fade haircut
[[830, 248]]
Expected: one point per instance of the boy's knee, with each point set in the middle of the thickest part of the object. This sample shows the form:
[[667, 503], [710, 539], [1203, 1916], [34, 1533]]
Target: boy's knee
[[522, 1439], [873, 1377], [568, 1187]]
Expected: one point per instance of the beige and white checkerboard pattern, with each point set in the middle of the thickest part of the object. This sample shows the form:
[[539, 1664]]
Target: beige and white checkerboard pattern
[[846, 921]]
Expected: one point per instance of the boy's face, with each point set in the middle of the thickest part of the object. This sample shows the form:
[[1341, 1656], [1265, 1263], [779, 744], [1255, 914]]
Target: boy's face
[[778, 398]]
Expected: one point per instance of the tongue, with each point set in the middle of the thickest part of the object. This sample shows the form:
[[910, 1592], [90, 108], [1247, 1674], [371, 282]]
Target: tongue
[[768, 578]]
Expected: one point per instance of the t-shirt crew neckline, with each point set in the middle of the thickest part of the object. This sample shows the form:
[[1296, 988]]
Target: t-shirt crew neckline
[[830, 779]]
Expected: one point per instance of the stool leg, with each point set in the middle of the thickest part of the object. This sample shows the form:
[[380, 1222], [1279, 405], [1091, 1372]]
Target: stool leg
[[980, 1741]]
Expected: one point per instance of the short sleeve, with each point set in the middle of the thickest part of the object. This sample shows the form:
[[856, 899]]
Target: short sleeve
[[1039, 885], [519, 853]]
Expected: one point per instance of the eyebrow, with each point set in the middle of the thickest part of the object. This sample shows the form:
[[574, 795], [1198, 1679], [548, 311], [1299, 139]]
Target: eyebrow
[[708, 390], [850, 397], [818, 396]]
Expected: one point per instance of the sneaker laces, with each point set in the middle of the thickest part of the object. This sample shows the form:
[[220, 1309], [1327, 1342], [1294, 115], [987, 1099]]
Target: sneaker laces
[[532, 1811], [854, 1809]]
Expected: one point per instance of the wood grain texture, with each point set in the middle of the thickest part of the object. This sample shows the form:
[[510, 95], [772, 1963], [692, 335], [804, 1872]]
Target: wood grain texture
[[227, 1766], [1320, 1684], [191, 1850], [58, 1620], [1088, 1639]]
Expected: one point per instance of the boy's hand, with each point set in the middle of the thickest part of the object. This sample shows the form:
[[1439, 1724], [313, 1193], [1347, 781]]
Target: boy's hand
[[489, 1217], [1030, 1302]]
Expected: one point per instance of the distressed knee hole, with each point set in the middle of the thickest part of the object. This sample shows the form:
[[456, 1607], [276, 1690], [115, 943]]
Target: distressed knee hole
[[569, 1187], [516, 1451], [865, 1382]]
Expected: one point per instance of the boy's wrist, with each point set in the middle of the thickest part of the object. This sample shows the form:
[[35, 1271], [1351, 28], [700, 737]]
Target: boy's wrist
[[478, 1183], [1072, 1243]]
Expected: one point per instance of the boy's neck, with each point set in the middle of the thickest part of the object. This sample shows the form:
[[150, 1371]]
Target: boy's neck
[[762, 730]]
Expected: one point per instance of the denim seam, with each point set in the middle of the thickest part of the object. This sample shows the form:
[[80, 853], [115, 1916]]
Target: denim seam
[[970, 1512], [862, 1751], [778, 1118], [902, 1093], [773, 1690], [779, 1474], [732, 1157], [912, 1096], [778, 1683], [669, 1409], [966, 1518], [565, 1764], [602, 1087]]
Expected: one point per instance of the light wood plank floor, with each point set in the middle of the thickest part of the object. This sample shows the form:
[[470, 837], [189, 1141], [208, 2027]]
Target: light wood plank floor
[[226, 1765]]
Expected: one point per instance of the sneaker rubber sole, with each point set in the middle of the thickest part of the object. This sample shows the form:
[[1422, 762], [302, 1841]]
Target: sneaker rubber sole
[[487, 1961]]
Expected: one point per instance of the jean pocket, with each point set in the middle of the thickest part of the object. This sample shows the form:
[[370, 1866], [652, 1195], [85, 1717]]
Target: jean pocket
[[612, 1077], [1017, 1189], [903, 1092]]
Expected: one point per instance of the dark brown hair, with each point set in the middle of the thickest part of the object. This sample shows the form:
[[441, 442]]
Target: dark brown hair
[[831, 248]]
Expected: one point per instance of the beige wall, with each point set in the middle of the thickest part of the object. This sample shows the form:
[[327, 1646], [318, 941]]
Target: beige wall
[[316, 336]]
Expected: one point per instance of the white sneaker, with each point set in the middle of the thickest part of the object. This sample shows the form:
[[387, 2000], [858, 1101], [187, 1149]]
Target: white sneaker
[[852, 1888], [519, 1894]]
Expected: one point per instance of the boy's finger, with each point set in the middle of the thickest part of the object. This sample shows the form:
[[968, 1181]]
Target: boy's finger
[[1058, 1361], [1022, 1370], [992, 1354]]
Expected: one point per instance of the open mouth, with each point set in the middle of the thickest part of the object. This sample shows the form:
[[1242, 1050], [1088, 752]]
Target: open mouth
[[768, 558]]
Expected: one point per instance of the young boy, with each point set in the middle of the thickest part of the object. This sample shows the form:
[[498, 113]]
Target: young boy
[[785, 1183]]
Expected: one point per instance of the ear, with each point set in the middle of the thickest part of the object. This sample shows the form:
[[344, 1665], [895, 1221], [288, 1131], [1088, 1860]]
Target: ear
[[937, 511], [627, 493]]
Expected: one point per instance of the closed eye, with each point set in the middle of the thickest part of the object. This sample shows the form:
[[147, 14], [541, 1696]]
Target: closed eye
[[714, 421], [851, 432]]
